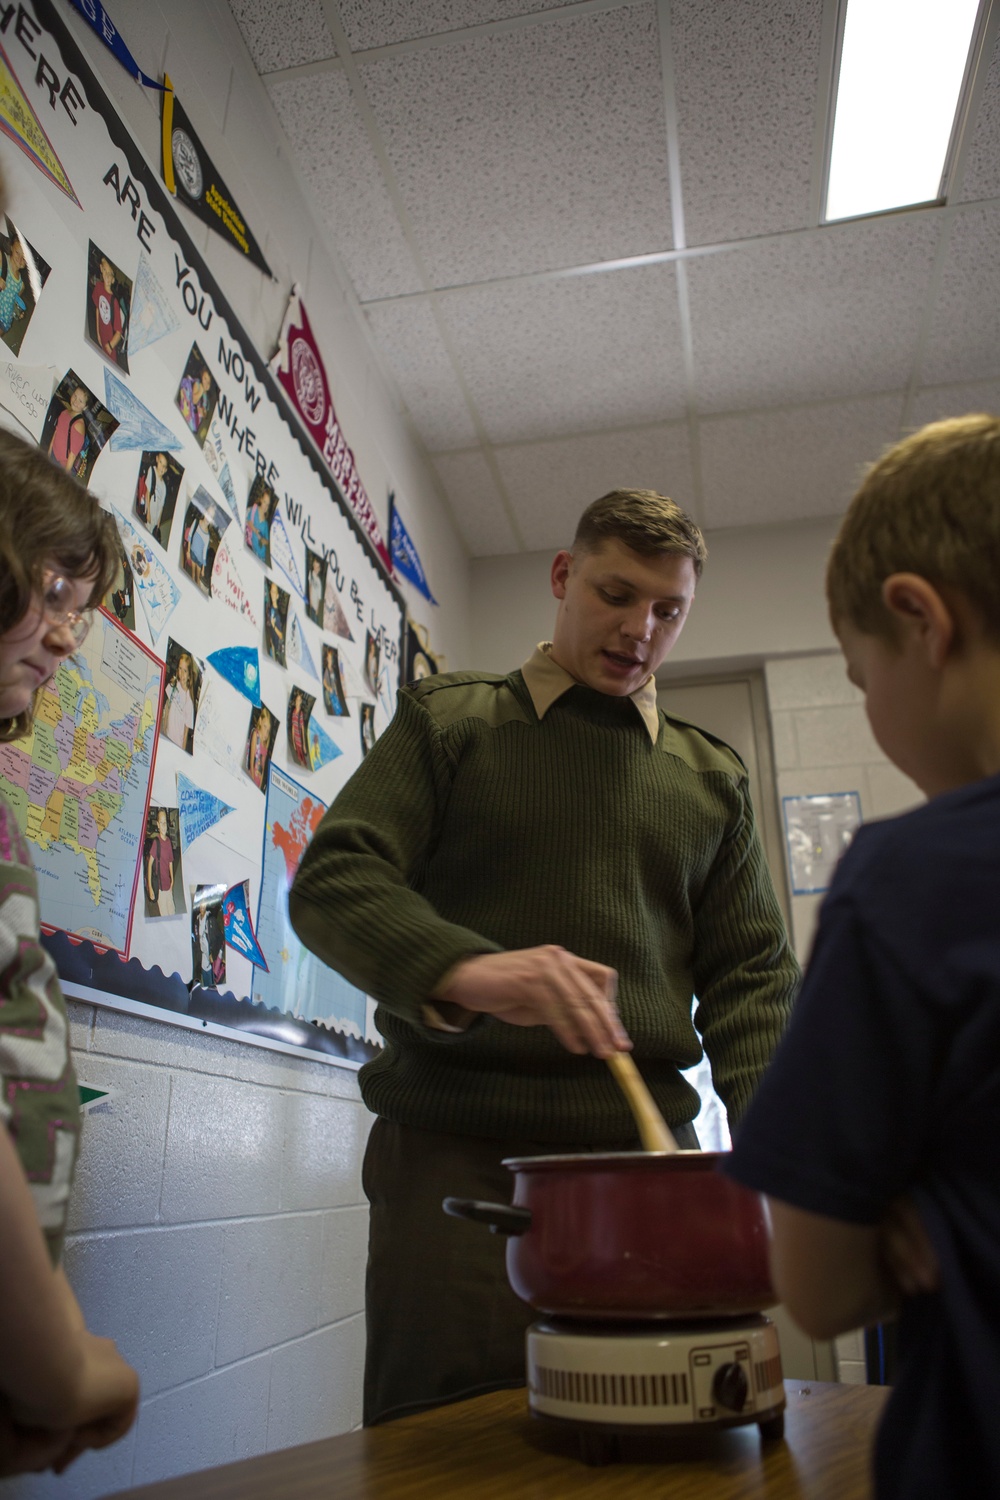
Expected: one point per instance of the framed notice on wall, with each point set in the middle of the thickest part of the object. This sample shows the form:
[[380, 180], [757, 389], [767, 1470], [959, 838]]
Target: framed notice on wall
[[250, 650], [818, 829]]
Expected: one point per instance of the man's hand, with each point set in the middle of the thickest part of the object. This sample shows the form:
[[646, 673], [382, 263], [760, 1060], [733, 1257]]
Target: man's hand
[[906, 1250], [547, 986]]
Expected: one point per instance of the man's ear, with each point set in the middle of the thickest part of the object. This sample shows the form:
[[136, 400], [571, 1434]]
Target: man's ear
[[922, 614], [561, 564]]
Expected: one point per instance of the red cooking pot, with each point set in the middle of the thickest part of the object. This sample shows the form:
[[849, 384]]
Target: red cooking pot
[[631, 1234]]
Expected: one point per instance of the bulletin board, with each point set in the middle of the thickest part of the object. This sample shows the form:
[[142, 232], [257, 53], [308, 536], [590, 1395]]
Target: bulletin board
[[250, 650]]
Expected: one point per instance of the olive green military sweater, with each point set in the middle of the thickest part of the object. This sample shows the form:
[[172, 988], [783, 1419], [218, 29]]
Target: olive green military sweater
[[473, 826]]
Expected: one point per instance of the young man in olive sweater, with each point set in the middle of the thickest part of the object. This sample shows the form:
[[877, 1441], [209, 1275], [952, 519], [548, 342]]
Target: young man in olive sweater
[[528, 873]]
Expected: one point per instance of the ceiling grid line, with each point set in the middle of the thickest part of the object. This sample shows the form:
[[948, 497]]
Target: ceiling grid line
[[676, 194], [339, 34]]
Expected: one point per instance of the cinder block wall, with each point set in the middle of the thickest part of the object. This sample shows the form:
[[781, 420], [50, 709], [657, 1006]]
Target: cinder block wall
[[218, 1233], [822, 743]]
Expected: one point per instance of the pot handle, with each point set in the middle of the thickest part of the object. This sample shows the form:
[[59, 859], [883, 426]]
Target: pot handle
[[502, 1218]]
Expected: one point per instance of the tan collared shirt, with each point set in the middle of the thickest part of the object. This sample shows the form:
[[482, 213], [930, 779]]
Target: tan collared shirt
[[546, 681]]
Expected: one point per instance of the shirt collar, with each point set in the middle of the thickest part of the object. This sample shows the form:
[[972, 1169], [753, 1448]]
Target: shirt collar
[[546, 681]]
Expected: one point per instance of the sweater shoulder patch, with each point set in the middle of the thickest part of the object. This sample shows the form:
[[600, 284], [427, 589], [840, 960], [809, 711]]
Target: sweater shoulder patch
[[699, 749], [450, 697]]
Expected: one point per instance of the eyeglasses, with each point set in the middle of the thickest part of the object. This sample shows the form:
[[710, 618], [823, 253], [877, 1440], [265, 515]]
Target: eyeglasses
[[57, 598]]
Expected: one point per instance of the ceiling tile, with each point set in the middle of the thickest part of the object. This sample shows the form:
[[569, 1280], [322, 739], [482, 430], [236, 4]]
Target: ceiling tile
[[411, 346], [933, 404], [543, 359], [475, 503], [532, 150], [964, 341], [283, 33], [746, 80], [981, 178], [336, 159], [768, 466], [813, 316], [549, 484], [377, 23]]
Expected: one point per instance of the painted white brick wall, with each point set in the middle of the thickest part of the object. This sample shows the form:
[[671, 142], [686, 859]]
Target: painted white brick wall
[[218, 1233], [823, 744]]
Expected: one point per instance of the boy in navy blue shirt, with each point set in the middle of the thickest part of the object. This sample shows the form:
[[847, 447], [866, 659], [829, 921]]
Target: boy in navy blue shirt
[[874, 1132]]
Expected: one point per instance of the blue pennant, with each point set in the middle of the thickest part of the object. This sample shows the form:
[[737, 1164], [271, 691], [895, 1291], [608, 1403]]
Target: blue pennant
[[199, 810], [239, 665], [321, 748], [137, 428], [405, 559], [239, 928]]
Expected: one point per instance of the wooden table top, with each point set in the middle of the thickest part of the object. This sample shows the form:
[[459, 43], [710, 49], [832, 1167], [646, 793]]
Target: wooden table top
[[492, 1449]]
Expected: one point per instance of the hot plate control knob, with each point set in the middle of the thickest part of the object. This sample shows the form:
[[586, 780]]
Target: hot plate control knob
[[730, 1387]]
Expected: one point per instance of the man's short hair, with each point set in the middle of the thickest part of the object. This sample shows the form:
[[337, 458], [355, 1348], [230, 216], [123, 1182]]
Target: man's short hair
[[648, 523], [931, 506]]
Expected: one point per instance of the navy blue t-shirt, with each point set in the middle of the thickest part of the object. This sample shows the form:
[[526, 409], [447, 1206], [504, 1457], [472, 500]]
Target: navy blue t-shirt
[[888, 1081]]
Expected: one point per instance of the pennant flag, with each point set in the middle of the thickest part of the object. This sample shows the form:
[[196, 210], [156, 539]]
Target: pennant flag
[[227, 583], [93, 12], [404, 555], [153, 316], [239, 928], [158, 593], [137, 427], [218, 461], [333, 615], [91, 1096], [296, 648], [192, 178], [301, 373], [321, 748], [283, 556], [20, 124], [240, 666], [199, 810], [353, 685]]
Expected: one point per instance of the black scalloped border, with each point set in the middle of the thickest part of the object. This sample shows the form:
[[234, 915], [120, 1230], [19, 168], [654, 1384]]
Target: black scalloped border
[[80, 961]]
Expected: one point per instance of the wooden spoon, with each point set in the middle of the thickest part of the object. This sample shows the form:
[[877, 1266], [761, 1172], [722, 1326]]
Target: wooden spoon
[[654, 1132]]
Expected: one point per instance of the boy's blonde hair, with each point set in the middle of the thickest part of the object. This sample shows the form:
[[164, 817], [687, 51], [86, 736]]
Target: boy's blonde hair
[[649, 523], [931, 506]]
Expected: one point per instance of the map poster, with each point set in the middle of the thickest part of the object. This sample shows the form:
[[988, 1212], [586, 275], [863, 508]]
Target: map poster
[[79, 782], [298, 982]]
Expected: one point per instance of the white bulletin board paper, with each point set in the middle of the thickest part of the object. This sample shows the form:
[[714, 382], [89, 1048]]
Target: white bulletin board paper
[[182, 378]]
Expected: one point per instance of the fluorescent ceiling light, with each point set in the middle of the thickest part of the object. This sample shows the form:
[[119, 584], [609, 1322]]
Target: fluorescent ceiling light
[[901, 69]]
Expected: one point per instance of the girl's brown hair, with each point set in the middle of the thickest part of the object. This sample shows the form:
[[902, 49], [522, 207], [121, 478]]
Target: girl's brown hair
[[47, 520]]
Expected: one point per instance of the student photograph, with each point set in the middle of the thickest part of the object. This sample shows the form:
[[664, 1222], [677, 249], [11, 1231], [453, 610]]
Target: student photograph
[[373, 651], [163, 880], [76, 428], [367, 727], [315, 586], [109, 297], [204, 525], [197, 395], [156, 494], [120, 598], [300, 706], [23, 273], [63, 1390], [276, 602], [180, 700], [208, 942], [261, 505], [260, 745], [334, 698]]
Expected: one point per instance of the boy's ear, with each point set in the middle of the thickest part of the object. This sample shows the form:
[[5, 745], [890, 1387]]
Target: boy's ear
[[921, 613]]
